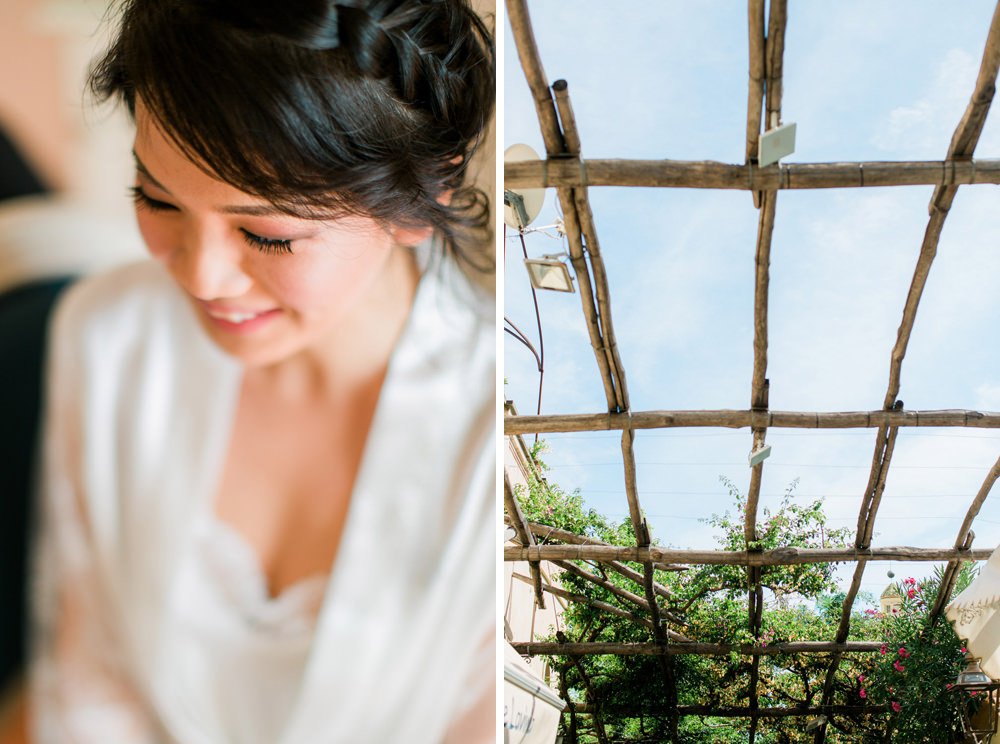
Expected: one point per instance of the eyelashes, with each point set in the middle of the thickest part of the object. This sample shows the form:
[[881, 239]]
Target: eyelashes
[[268, 246]]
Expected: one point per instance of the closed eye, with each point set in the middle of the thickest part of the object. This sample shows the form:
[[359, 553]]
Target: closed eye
[[270, 246], [142, 201]]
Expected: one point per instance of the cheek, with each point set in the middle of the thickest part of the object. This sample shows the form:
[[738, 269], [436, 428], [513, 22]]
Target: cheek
[[325, 282], [159, 235]]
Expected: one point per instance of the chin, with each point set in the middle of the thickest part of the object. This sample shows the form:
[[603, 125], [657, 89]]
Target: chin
[[253, 350]]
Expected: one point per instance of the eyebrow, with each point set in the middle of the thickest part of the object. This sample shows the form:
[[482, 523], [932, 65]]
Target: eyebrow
[[253, 210]]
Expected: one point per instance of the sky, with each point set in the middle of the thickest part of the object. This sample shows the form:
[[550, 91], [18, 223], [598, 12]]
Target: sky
[[863, 80]]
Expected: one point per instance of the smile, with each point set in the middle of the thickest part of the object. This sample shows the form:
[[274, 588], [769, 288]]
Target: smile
[[240, 322], [234, 317]]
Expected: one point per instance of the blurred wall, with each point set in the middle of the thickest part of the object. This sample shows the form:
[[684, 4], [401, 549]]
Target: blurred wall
[[81, 150]]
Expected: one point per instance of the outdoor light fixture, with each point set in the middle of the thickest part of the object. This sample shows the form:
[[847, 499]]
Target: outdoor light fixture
[[775, 143], [758, 456], [979, 725], [549, 272]]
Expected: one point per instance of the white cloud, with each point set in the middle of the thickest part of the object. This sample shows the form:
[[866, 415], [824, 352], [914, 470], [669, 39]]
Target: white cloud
[[924, 128]]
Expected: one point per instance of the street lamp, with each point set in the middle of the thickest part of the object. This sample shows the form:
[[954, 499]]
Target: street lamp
[[973, 680]]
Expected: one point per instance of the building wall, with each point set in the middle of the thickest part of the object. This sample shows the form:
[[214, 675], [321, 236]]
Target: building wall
[[523, 620]]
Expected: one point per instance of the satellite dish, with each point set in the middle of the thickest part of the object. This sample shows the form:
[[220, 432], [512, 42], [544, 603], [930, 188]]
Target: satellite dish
[[531, 198]]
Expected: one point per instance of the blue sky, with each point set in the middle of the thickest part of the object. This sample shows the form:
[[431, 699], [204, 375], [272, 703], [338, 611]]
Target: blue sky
[[862, 81]]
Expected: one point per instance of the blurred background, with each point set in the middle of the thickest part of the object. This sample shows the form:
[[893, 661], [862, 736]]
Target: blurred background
[[78, 152]]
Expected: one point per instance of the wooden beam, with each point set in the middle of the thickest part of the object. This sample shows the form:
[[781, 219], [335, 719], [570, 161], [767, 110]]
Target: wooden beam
[[520, 525], [707, 174], [741, 419], [571, 135], [534, 73], [555, 145], [547, 532], [758, 382], [964, 540], [776, 557], [551, 648], [740, 712], [755, 90], [607, 344], [623, 594], [584, 599], [963, 143], [970, 127]]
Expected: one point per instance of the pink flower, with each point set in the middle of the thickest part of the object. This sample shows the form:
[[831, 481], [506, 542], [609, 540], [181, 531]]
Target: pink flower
[[911, 593], [948, 686], [863, 693], [861, 678], [899, 667], [896, 707], [963, 649], [885, 648], [911, 581]]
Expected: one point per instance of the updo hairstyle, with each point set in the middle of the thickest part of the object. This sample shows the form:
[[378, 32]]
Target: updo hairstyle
[[324, 109]]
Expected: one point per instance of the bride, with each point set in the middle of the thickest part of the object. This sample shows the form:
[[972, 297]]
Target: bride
[[269, 467]]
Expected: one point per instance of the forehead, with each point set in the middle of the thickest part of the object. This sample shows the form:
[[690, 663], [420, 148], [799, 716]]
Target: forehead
[[165, 164], [163, 159]]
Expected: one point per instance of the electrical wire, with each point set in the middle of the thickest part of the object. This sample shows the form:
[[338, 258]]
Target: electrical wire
[[517, 333]]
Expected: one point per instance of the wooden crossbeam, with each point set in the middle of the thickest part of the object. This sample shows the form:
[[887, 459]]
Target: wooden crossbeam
[[551, 648], [520, 525], [622, 594], [741, 419], [756, 65], [590, 602], [776, 557], [964, 540], [741, 712], [705, 174]]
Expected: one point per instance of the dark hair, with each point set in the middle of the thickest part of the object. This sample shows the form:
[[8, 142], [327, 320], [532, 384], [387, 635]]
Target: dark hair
[[322, 108]]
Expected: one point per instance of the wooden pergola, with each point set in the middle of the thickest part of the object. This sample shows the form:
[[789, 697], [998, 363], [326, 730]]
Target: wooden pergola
[[565, 170]]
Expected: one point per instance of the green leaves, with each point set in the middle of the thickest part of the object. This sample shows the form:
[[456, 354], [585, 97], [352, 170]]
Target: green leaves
[[708, 604]]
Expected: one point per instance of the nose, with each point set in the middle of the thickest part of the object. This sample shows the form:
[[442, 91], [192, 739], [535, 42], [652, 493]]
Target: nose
[[209, 265]]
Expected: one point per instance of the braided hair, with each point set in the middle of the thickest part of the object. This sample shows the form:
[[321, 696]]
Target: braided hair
[[324, 109]]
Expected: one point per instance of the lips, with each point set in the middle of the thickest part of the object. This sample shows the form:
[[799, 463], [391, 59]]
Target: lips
[[234, 316], [238, 320]]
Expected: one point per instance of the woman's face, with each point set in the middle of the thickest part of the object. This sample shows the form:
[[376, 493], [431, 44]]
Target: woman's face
[[265, 285]]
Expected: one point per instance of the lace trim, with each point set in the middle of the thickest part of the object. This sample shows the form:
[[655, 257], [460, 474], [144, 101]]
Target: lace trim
[[232, 564]]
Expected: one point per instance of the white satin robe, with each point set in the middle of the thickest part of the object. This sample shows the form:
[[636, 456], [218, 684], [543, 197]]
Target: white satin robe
[[139, 409]]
